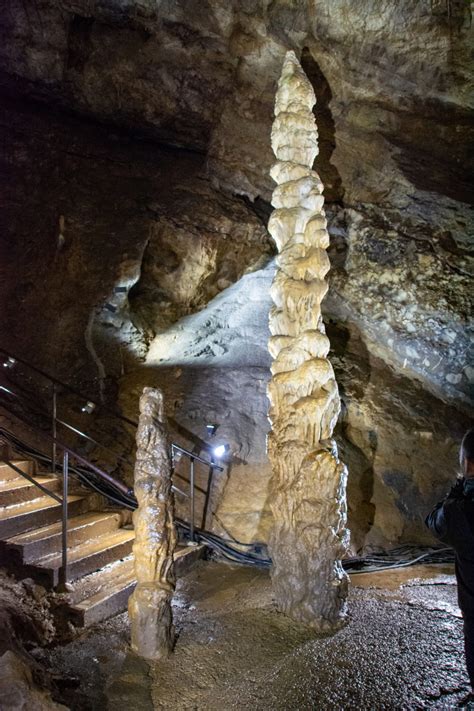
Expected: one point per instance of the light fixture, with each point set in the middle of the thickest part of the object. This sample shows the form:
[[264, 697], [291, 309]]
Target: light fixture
[[211, 430], [221, 450], [88, 408], [9, 362]]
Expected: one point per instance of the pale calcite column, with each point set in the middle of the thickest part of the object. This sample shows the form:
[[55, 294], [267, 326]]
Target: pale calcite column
[[308, 485], [149, 606]]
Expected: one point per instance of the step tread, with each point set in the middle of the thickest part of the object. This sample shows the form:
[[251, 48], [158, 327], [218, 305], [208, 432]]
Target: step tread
[[21, 482], [42, 503], [85, 550], [53, 529], [123, 575], [89, 585], [7, 472], [16, 462]]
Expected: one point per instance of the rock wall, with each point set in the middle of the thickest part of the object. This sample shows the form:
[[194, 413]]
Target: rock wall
[[136, 190]]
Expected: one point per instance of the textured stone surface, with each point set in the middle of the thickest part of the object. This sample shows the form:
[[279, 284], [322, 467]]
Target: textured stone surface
[[149, 606], [18, 690], [308, 484], [146, 241]]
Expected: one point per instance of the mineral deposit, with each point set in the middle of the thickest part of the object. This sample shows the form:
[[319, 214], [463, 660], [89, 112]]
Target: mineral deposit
[[308, 485], [155, 538]]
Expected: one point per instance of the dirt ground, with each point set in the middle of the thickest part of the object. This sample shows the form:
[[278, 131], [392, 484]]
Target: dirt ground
[[401, 649]]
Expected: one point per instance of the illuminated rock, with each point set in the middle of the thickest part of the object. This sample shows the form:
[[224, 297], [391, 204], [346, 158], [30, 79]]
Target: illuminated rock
[[149, 606], [308, 485]]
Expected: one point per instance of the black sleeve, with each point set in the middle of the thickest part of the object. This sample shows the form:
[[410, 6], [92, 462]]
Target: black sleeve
[[436, 521]]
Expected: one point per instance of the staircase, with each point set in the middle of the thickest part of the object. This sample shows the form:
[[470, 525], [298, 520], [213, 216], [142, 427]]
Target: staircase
[[100, 560]]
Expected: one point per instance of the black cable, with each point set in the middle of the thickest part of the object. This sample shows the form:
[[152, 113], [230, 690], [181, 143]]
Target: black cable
[[256, 553]]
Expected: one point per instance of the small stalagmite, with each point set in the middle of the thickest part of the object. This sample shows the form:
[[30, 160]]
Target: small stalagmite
[[308, 485], [149, 606]]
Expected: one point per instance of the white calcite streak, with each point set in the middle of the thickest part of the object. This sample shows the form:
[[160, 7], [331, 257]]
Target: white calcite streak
[[149, 607], [308, 484]]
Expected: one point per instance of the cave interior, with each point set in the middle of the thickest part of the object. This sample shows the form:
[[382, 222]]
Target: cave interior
[[136, 195]]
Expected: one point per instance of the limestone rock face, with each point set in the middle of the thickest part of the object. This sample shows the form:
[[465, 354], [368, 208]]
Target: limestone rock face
[[308, 485], [18, 690], [149, 606]]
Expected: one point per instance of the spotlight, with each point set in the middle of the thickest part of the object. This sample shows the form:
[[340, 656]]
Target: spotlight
[[211, 430], [88, 408], [9, 362], [221, 450]]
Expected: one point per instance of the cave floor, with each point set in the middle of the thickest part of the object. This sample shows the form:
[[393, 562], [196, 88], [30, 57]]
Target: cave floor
[[402, 649]]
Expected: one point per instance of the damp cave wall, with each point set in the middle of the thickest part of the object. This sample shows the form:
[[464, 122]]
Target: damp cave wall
[[135, 198]]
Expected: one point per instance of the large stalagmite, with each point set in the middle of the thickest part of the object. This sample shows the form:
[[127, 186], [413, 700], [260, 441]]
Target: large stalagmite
[[308, 480], [149, 606]]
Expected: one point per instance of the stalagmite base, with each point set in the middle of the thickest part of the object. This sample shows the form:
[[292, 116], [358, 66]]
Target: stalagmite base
[[149, 606], [308, 480]]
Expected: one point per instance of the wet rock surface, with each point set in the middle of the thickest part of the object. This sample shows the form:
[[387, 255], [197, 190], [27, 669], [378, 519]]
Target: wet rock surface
[[402, 648]]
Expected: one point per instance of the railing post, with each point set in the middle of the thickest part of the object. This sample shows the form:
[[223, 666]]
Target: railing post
[[63, 571], [54, 428], [208, 495], [191, 499]]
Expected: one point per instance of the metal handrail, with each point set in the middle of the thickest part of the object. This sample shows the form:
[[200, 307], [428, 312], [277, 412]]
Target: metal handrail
[[174, 447], [94, 441], [31, 479], [192, 456], [108, 478], [63, 576], [100, 472], [55, 381]]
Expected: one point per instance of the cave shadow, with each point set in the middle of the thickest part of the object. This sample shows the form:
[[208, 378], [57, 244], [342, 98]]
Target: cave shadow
[[328, 172], [347, 348], [333, 189]]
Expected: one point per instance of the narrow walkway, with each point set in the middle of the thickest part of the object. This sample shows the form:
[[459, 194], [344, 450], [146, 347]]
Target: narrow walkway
[[401, 650]]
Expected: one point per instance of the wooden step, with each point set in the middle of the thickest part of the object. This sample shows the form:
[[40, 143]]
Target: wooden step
[[16, 491], [46, 540], [26, 465], [85, 558], [37, 513], [106, 593], [103, 594], [186, 557]]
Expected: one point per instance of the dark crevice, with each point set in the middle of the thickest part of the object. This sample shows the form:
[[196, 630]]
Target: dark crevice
[[333, 190], [259, 207]]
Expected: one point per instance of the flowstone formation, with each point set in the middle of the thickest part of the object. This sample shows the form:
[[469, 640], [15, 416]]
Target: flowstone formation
[[149, 606], [308, 480]]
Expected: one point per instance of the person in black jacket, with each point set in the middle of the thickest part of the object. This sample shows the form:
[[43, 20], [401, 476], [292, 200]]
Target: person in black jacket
[[452, 521]]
